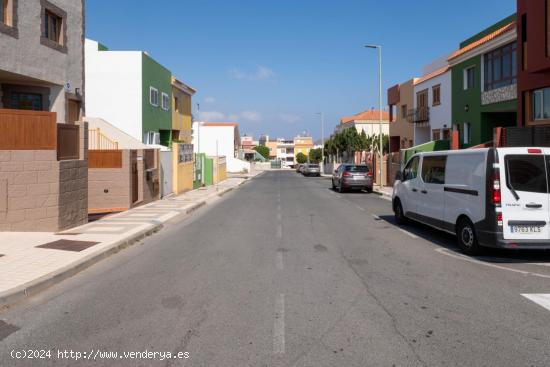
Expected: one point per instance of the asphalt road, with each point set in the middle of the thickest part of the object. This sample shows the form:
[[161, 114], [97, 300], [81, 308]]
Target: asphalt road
[[286, 272]]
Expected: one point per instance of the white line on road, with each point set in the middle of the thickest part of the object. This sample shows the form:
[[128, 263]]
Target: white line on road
[[279, 217], [407, 233], [446, 252], [279, 327], [540, 299], [375, 216], [360, 208], [280, 264], [279, 231], [279, 207]]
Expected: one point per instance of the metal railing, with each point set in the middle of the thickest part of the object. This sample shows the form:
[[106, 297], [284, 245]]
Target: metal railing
[[419, 115], [99, 141]]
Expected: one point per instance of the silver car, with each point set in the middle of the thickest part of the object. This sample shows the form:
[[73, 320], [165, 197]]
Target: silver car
[[311, 169], [352, 176]]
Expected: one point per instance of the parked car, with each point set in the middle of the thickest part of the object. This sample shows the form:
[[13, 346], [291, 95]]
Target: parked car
[[311, 169], [299, 167], [494, 197], [352, 176]]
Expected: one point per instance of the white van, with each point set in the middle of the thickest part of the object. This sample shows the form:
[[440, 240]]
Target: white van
[[493, 197]]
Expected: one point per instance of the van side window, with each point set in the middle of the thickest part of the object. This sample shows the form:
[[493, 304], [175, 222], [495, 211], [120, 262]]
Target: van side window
[[411, 170], [526, 173], [433, 170]]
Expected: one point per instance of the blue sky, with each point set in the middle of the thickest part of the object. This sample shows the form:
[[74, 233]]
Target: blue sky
[[271, 65]]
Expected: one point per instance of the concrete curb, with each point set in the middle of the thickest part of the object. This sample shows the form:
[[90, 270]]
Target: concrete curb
[[17, 294], [14, 295], [384, 195]]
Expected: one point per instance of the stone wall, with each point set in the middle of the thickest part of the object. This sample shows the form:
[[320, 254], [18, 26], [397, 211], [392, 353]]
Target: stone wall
[[503, 94]]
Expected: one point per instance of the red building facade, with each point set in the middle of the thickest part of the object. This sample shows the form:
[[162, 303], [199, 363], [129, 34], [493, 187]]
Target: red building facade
[[533, 28]]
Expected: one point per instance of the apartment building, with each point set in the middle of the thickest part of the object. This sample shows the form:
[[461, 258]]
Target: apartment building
[[367, 121], [400, 100]]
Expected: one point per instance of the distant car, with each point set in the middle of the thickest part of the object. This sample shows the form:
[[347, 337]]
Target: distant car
[[352, 176], [311, 170]]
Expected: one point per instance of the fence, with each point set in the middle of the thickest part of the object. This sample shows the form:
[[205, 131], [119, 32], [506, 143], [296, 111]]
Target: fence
[[105, 159], [97, 140], [68, 142], [27, 130], [538, 136]]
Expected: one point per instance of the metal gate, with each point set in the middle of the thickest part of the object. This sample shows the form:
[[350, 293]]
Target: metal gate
[[533, 136], [134, 173], [166, 173]]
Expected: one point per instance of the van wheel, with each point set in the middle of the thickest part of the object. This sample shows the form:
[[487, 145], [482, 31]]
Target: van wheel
[[398, 213], [467, 238]]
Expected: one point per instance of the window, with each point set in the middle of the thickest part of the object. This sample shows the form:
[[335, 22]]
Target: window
[[436, 134], [436, 95], [52, 26], [469, 77], [153, 96], [500, 67], [165, 100], [176, 104], [541, 104], [151, 137], [8, 18], [404, 111], [433, 170], [466, 138], [526, 173], [411, 170], [358, 169]]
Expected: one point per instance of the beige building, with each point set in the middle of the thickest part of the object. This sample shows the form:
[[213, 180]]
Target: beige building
[[401, 101], [367, 121], [302, 144]]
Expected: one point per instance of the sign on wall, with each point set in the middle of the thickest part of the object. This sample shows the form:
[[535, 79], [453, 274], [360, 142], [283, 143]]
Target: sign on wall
[[185, 153]]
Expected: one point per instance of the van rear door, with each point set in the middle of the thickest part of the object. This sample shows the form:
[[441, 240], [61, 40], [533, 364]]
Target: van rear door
[[524, 192]]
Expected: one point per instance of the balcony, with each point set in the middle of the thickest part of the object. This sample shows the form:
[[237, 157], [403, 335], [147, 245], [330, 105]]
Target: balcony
[[419, 116]]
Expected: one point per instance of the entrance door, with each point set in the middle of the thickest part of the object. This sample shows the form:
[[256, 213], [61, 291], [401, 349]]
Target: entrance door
[[135, 178], [74, 111], [525, 199]]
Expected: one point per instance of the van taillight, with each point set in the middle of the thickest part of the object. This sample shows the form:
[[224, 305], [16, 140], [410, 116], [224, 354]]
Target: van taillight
[[499, 220], [496, 196]]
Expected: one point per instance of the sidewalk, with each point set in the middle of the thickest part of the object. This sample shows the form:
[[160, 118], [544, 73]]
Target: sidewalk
[[385, 191], [32, 261]]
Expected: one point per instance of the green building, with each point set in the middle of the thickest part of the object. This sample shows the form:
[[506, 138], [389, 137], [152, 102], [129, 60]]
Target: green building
[[131, 91], [484, 83]]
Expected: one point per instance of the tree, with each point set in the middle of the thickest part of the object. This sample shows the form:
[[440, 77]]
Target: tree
[[315, 155], [301, 158], [263, 150]]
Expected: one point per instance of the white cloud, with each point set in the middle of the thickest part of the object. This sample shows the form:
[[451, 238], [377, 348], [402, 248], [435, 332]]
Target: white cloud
[[251, 116], [209, 99], [260, 73], [211, 116], [289, 118]]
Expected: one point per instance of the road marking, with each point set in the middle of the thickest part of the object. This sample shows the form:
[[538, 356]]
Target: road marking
[[375, 216], [446, 252], [279, 207], [279, 217], [279, 327], [541, 299], [279, 231], [407, 233], [540, 264], [360, 207], [280, 264]]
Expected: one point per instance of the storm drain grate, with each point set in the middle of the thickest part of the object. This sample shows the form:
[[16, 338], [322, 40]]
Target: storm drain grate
[[68, 245], [6, 329]]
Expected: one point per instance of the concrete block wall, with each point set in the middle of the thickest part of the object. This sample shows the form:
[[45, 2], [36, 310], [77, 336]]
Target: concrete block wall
[[110, 189]]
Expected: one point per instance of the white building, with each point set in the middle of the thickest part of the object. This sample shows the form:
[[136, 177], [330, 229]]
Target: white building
[[220, 139], [432, 115], [368, 121], [285, 151]]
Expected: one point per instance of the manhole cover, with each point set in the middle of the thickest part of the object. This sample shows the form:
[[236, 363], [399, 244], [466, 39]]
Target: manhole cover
[[68, 245], [6, 329]]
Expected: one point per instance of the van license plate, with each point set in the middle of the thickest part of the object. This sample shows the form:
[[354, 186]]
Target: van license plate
[[526, 229]]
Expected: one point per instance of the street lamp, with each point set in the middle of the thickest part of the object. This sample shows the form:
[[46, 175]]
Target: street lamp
[[381, 146], [322, 136]]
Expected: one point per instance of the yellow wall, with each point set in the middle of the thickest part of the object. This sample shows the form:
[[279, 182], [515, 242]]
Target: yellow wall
[[181, 114], [182, 173], [222, 175], [302, 145]]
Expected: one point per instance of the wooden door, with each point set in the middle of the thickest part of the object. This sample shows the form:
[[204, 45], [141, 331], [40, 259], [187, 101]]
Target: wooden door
[[74, 111]]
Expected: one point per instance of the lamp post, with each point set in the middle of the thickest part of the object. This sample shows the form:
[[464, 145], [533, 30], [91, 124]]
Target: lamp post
[[381, 144], [322, 136]]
